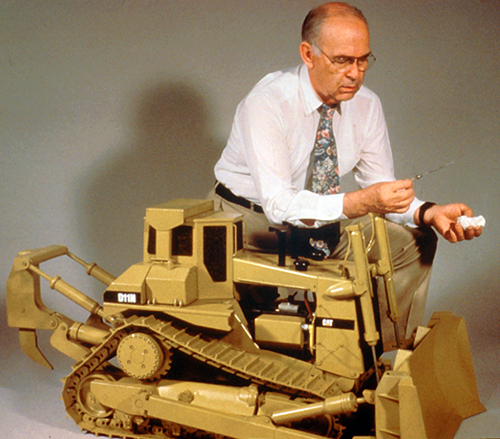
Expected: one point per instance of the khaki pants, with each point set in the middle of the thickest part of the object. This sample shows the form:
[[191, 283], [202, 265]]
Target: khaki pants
[[412, 251]]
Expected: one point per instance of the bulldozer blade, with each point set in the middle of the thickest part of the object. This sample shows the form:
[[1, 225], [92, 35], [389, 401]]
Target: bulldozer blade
[[28, 340], [442, 370]]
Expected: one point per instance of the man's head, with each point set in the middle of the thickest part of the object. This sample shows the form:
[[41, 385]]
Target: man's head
[[332, 36]]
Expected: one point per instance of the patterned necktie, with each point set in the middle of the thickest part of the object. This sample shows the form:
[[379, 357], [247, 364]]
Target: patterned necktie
[[325, 172], [325, 175]]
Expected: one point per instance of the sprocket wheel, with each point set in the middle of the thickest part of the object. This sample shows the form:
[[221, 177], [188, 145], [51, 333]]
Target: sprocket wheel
[[142, 356]]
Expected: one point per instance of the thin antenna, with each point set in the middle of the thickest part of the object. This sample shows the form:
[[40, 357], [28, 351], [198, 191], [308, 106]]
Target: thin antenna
[[419, 176]]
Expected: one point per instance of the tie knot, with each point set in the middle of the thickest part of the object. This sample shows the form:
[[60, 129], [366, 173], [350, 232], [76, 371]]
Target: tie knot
[[326, 110]]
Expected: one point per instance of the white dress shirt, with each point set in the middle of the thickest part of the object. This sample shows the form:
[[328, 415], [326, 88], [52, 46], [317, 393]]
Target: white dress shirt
[[268, 153]]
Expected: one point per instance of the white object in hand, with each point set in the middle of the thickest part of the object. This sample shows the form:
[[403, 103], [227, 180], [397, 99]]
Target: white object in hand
[[476, 221]]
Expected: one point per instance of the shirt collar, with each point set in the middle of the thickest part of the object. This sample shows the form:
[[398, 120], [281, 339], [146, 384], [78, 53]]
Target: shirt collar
[[311, 100]]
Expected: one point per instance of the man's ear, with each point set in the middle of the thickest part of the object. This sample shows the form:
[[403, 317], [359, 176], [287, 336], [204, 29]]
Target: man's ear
[[307, 55]]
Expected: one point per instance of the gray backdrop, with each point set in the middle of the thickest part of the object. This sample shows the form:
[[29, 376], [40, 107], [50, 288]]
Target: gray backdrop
[[108, 107]]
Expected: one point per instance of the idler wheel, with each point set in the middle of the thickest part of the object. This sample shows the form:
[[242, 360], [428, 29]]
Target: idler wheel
[[87, 399], [140, 355]]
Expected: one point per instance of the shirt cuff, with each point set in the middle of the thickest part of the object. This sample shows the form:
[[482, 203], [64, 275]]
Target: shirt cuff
[[407, 218]]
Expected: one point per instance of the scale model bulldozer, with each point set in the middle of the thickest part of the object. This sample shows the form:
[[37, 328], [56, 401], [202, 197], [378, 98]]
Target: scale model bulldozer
[[200, 340]]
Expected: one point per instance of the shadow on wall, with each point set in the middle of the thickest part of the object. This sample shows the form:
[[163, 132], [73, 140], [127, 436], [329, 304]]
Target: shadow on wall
[[170, 153]]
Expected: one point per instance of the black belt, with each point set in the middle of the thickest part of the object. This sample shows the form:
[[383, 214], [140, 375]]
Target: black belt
[[225, 193]]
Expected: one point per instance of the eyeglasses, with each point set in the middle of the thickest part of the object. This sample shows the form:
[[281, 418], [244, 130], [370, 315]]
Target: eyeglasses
[[343, 63]]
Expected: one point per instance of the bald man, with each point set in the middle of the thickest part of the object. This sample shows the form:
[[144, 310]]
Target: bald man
[[299, 130]]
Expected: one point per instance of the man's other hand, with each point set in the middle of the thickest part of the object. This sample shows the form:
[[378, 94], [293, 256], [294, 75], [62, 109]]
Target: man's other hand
[[444, 220], [386, 197]]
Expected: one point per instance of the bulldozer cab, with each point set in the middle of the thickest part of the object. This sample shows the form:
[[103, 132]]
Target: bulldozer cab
[[189, 232]]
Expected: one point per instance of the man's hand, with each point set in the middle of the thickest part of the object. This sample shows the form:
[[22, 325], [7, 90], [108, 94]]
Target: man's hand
[[444, 220], [387, 197]]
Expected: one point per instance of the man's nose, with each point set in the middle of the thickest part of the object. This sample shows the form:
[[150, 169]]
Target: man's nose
[[353, 71]]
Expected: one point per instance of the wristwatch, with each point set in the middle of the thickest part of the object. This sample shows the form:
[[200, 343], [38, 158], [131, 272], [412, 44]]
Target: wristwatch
[[423, 208]]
